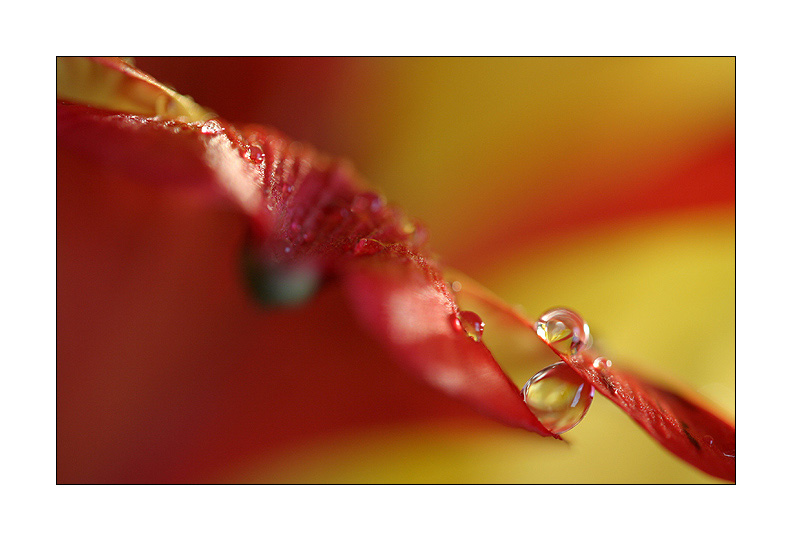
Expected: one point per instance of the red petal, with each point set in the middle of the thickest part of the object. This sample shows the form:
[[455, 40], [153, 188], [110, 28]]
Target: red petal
[[190, 158], [118, 321], [404, 300], [285, 192], [168, 370], [689, 430]]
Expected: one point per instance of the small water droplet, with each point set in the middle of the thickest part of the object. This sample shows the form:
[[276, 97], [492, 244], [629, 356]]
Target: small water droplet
[[456, 286], [367, 247], [472, 324], [255, 153], [558, 396], [565, 330], [211, 127], [601, 363], [709, 441]]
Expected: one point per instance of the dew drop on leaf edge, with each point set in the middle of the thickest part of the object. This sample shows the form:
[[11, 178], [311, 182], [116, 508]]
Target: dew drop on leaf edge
[[471, 323], [558, 396], [565, 330]]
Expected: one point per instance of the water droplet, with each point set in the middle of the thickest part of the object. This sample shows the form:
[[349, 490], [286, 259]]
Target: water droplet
[[255, 153], [472, 324], [367, 247], [710, 443], [601, 363], [456, 286], [211, 127], [559, 397], [565, 330]]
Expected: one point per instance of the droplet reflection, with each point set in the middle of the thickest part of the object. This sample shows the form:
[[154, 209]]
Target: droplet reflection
[[472, 324], [565, 330]]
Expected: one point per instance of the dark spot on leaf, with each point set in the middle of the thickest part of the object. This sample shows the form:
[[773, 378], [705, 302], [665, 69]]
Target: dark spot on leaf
[[607, 382], [275, 284], [691, 439]]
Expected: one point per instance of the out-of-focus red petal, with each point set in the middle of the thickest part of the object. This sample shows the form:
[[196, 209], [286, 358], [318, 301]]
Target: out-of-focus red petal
[[705, 180], [404, 300], [113, 83], [690, 430], [167, 367], [188, 157], [168, 370]]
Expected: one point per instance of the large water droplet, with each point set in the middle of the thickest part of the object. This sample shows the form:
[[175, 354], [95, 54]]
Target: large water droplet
[[472, 324], [565, 330], [559, 397]]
